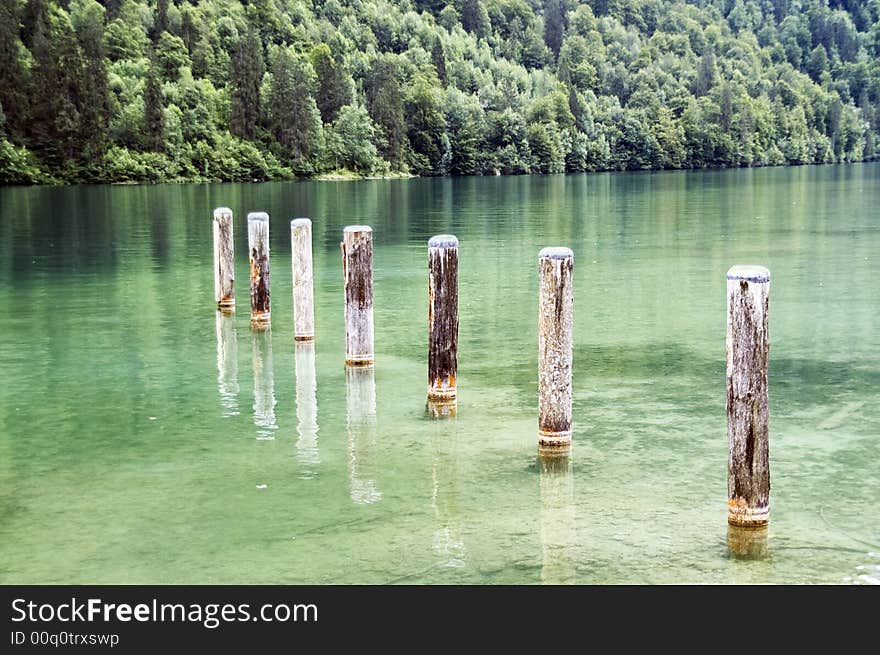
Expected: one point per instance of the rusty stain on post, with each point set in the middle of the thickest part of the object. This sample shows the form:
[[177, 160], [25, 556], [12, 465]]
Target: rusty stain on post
[[224, 259], [258, 255], [748, 349], [357, 273], [442, 317], [554, 350], [303, 294]]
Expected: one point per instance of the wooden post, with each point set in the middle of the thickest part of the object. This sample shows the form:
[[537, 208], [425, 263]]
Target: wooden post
[[224, 260], [264, 385], [227, 363], [554, 349], [303, 294], [258, 249], [306, 408], [357, 272], [442, 317], [360, 404], [748, 349]]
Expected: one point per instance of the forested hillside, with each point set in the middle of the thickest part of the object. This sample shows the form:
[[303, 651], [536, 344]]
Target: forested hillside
[[155, 90]]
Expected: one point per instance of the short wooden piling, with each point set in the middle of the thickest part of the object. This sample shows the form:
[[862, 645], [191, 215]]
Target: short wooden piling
[[442, 317], [748, 349], [554, 350], [258, 254], [224, 259], [357, 272], [303, 294]]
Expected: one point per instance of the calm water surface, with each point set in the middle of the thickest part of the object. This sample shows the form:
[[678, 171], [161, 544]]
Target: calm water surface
[[146, 439]]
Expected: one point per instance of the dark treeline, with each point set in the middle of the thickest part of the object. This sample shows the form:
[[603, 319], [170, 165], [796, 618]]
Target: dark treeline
[[156, 90]]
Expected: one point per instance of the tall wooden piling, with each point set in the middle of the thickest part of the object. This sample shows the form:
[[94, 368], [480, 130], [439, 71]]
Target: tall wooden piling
[[357, 272], [554, 349], [224, 259], [442, 317], [258, 255], [303, 294], [748, 349]]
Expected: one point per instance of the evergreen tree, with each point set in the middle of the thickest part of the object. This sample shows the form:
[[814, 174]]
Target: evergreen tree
[[334, 85], [13, 77], [88, 20], [154, 112], [554, 25], [294, 118], [385, 101], [425, 128], [247, 74]]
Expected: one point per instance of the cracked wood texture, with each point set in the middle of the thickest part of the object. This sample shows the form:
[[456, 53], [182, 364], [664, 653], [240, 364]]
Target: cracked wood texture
[[442, 316], [224, 259], [258, 255], [357, 274], [554, 347], [303, 293], [748, 349]]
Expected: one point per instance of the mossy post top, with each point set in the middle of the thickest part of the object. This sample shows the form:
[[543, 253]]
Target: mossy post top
[[749, 273], [358, 228], [301, 222], [556, 252], [258, 216], [443, 241]]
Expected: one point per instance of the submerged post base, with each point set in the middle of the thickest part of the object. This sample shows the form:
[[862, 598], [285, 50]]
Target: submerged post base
[[359, 362], [306, 337], [738, 513], [260, 321], [747, 542]]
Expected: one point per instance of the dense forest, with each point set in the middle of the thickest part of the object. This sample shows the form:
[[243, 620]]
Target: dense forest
[[170, 90]]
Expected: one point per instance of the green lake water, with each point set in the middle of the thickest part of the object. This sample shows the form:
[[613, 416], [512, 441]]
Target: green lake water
[[144, 438]]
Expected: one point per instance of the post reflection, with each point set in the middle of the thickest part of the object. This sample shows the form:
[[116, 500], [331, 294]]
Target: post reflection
[[360, 399], [306, 408], [558, 524], [264, 385], [747, 543], [447, 541], [227, 362]]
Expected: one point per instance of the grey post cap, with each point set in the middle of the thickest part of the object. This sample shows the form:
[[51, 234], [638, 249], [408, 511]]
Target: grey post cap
[[443, 241], [301, 222], [556, 252], [358, 228], [749, 273], [258, 216]]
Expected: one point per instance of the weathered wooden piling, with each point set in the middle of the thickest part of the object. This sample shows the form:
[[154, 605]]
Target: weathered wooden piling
[[306, 408], [363, 462], [224, 259], [303, 293], [227, 362], [357, 273], [258, 254], [442, 317], [748, 349], [554, 349]]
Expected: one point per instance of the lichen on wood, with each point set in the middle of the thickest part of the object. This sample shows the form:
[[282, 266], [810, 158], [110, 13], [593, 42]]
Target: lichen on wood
[[224, 259], [303, 293], [258, 256], [442, 317], [357, 273]]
